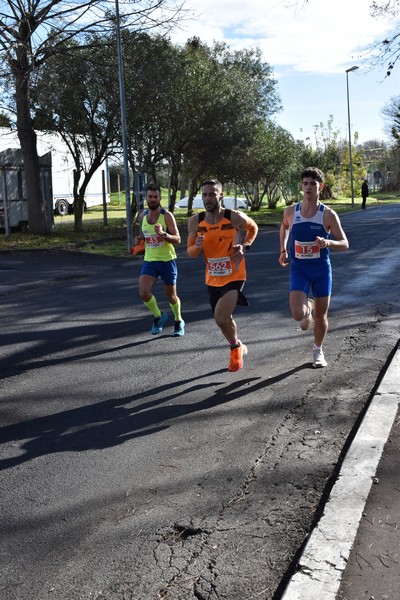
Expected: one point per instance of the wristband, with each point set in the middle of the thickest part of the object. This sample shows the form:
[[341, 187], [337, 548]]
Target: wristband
[[283, 251]]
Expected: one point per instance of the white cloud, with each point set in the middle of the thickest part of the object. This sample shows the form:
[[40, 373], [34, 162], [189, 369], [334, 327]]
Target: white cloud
[[319, 36], [309, 45]]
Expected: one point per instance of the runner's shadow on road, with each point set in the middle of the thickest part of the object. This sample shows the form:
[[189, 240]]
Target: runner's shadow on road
[[118, 420], [18, 364]]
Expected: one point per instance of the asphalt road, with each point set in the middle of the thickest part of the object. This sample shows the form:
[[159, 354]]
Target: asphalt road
[[135, 466]]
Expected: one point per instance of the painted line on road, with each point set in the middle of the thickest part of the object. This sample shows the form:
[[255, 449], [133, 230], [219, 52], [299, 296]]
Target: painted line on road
[[325, 556]]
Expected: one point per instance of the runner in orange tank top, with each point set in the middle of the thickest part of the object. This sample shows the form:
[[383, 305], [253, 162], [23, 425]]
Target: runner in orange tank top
[[216, 234]]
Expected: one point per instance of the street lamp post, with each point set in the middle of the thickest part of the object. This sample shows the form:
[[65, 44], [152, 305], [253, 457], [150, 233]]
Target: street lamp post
[[129, 229], [348, 117]]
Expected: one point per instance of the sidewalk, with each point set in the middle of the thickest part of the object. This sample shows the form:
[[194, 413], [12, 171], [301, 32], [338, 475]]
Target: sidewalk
[[373, 570], [354, 551]]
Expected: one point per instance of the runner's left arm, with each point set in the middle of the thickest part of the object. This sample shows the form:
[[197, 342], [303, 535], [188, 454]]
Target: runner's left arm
[[173, 235], [333, 225], [243, 221]]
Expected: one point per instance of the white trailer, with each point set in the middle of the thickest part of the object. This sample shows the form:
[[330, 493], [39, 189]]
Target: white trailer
[[62, 171]]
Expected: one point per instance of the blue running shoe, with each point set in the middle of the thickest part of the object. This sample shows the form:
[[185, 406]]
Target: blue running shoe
[[179, 328], [158, 323]]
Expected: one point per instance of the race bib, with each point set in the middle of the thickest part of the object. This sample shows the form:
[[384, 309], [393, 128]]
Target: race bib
[[306, 250], [220, 267], [154, 240]]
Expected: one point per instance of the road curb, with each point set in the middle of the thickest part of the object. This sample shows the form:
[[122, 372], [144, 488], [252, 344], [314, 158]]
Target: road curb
[[324, 558]]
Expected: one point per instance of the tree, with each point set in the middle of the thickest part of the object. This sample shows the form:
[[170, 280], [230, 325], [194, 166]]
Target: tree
[[342, 181], [391, 114], [235, 91], [76, 96], [383, 158], [387, 52], [331, 155], [326, 154], [391, 168], [4, 120], [154, 75], [268, 166], [32, 31], [193, 108]]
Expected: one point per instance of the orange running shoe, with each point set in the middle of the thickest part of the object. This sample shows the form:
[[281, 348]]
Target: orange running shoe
[[236, 360]]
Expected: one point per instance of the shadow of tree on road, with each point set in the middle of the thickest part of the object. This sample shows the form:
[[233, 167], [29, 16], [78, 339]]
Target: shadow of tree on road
[[117, 420]]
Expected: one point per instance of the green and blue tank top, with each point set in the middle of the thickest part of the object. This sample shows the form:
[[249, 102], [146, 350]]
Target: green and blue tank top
[[156, 248]]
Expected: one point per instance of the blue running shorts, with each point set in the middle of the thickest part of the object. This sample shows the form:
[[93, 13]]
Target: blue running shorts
[[318, 278], [167, 270]]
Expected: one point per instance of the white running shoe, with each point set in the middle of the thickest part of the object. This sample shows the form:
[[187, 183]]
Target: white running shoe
[[306, 322], [319, 358]]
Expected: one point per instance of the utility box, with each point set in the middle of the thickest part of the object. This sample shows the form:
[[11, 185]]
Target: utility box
[[139, 189], [13, 198], [62, 170]]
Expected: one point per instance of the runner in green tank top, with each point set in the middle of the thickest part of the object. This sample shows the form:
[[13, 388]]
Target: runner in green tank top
[[159, 230]]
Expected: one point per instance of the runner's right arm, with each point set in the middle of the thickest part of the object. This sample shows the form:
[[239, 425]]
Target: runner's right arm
[[284, 235], [140, 235], [194, 242]]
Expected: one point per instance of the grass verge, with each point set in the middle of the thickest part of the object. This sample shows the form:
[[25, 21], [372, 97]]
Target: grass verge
[[110, 239]]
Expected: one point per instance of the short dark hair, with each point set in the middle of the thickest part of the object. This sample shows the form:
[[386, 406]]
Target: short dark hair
[[313, 172], [153, 187], [212, 182]]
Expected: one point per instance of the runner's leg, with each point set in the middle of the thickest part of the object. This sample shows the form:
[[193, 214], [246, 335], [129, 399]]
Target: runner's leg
[[298, 304], [146, 283], [174, 301], [321, 306], [223, 314], [170, 292]]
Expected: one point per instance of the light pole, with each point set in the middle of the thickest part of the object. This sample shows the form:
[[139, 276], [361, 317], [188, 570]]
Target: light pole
[[129, 229], [348, 117]]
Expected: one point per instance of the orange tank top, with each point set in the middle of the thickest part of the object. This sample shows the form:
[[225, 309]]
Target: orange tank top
[[219, 239]]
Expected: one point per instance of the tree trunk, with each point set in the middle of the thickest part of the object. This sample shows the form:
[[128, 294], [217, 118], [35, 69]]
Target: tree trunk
[[39, 222], [173, 188], [79, 198], [256, 197]]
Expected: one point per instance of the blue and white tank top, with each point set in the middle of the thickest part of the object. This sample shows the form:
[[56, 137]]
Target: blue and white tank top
[[304, 231]]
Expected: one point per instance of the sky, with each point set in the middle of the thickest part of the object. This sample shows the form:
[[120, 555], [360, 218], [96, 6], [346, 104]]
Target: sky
[[309, 46]]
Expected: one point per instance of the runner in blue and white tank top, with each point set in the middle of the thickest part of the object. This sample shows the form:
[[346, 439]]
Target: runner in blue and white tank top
[[310, 264], [310, 224]]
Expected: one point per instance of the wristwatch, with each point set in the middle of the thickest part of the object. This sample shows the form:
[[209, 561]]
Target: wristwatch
[[165, 235], [247, 247]]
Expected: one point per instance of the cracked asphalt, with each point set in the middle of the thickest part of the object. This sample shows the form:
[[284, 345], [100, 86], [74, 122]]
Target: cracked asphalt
[[135, 466]]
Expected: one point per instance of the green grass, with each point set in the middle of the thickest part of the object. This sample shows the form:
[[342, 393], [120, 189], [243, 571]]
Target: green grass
[[111, 239]]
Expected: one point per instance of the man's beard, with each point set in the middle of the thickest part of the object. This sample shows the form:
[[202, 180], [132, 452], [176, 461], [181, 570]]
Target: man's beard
[[153, 205], [214, 208]]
